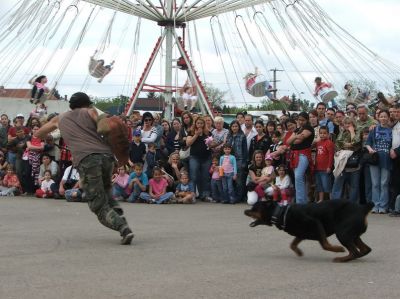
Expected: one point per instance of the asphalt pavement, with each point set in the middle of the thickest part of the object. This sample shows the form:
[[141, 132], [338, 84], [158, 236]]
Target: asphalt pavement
[[54, 249]]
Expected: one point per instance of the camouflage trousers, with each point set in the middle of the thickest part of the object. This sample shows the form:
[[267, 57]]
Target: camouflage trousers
[[95, 173]]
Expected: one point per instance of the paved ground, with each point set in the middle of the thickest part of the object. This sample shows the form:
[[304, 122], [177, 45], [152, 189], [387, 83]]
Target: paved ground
[[54, 249]]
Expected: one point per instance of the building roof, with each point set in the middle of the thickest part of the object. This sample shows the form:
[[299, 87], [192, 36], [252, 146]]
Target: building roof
[[17, 93]]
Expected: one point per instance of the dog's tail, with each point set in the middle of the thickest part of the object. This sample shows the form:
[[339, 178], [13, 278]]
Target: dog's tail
[[368, 207]]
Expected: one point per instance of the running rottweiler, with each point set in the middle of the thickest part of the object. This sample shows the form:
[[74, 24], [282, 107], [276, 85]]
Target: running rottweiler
[[317, 221]]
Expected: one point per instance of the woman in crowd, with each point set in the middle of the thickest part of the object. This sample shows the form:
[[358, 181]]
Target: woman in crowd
[[219, 135], [34, 149], [209, 122], [187, 123], [313, 115], [300, 158], [380, 141], [166, 130], [237, 140], [270, 128], [348, 139], [172, 142], [200, 158], [172, 170], [261, 141], [149, 131]]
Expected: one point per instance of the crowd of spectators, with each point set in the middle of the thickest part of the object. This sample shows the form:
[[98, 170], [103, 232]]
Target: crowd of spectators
[[323, 154]]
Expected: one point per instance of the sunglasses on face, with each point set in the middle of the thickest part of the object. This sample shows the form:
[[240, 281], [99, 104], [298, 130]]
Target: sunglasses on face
[[147, 119]]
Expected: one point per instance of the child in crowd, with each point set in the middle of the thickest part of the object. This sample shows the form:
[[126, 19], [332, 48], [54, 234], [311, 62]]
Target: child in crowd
[[138, 182], [45, 191], [216, 182], [185, 190], [120, 182], [3, 165], [151, 159], [38, 89], [366, 169], [137, 149], [11, 185], [324, 163], [157, 189], [281, 191], [228, 174], [275, 150]]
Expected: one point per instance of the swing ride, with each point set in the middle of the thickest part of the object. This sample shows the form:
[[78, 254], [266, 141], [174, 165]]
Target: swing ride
[[246, 35]]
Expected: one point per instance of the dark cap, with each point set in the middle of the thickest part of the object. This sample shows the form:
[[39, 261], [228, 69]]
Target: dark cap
[[137, 133], [79, 100]]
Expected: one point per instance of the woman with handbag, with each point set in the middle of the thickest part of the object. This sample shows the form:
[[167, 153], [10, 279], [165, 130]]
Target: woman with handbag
[[347, 140], [380, 142]]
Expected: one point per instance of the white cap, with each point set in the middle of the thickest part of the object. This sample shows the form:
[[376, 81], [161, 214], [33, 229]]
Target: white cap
[[20, 115]]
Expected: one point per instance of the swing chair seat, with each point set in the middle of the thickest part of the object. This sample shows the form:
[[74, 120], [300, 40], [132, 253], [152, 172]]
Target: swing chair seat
[[258, 86], [96, 70], [327, 94]]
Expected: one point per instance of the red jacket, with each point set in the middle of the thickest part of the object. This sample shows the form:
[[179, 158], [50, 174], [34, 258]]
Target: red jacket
[[325, 154]]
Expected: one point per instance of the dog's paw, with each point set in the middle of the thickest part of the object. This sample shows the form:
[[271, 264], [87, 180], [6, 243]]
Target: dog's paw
[[253, 224]]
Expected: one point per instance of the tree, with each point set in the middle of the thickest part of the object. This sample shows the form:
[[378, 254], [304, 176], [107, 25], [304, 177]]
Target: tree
[[396, 87], [105, 104], [215, 95]]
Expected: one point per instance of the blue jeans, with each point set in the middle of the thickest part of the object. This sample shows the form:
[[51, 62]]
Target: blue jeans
[[300, 180], [11, 158], [227, 187], [380, 187], [118, 191], [135, 193], [146, 196], [353, 180], [323, 181], [216, 190], [200, 176], [367, 183], [69, 192]]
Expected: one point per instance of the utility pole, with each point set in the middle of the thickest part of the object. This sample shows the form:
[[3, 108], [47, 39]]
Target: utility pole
[[274, 80]]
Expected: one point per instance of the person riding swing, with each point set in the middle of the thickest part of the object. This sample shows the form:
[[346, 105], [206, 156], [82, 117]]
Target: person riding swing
[[97, 68]]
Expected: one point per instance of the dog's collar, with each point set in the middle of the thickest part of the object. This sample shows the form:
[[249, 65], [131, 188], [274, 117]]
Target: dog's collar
[[279, 216]]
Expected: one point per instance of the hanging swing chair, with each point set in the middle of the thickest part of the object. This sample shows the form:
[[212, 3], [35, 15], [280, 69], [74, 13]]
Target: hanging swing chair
[[97, 69], [324, 90], [258, 86], [48, 93], [181, 64]]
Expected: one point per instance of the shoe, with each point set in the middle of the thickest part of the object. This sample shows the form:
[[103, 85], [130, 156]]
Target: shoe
[[394, 214], [382, 212], [152, 201], [208, 199], [375, 211], [57, 196], [31, 100], [127, 236]]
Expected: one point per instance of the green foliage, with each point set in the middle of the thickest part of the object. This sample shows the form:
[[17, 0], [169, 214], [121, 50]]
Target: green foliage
[[105, 103], [215, 95], [396, 87]]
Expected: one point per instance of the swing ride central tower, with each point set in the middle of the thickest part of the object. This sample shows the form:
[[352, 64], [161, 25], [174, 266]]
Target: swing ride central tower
[[171, 15]]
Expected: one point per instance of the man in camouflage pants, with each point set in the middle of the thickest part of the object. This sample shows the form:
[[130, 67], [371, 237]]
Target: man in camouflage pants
[[94, 161]]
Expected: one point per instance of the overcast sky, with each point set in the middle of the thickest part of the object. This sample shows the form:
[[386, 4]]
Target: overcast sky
[[373, 22]]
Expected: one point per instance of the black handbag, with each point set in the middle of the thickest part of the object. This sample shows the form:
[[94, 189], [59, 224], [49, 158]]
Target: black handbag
[[354, 160], [371, 159]]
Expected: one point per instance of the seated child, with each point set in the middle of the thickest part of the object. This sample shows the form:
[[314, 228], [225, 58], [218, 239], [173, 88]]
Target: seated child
[[10, 185], [281, 191], [275, 149], [45, 191], [185, 190], [120, 188], [157, 189], [268, 173], [38, 89], [138, 182]]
